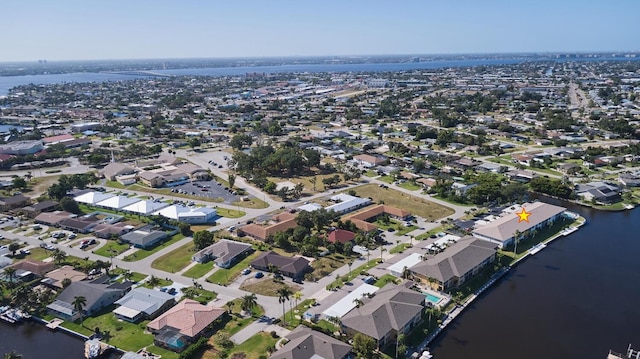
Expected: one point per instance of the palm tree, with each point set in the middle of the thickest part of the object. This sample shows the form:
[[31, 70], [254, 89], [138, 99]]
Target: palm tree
[[78, 304], [153, 281], [336, 321], [400, 346], [190, 292], [20, 296], [358, 302], [58, 256], [296, 297], [249, 302], [229, 306], [516, 237], [283, 296], [406, 273], [127, 275], [10, 272], [382, 250]]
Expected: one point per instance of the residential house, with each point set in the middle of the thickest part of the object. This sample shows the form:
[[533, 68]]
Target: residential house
[[98, 295], [456, 264], [38, 268], [369, 160], [35, 209], [55, 277], [294, 267], [109, 230], [183, 324], [144, 237], [341, 235], [502, 231], [392, 311], [82, 224], [305, 343], [629, 180], [52, 218], [262, 232], [362, 219], [143, 303], [13, 202], [225, 253], [600, 192]]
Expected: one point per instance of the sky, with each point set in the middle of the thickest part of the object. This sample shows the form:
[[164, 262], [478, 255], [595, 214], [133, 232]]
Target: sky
[[144, 29]]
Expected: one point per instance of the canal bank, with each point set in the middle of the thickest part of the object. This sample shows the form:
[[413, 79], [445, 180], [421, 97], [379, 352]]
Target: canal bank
[[575, 299]]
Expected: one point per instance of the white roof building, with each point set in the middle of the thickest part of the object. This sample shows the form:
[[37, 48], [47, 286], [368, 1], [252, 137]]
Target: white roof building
[[92, 197], [145, 207], [189, 215], [117, 202], [347, 203], [344, 305], [310, 207], [409, 261]]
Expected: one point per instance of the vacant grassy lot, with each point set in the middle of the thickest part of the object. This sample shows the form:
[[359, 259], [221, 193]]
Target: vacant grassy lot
[[411, 186], [199, 270], [229, 213], [112, 248], [268, 286], [226, 276], [417, 206], [39, 254], [176, 259], [253, 202], [324, 266]]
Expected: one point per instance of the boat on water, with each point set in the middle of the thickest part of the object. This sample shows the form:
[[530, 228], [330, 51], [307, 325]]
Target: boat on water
[[12, 315], [629, 206], [94, 348]]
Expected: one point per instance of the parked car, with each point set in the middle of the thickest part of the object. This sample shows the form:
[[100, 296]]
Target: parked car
[[72, 236], [172, 291], [259, 275], [246, 271]]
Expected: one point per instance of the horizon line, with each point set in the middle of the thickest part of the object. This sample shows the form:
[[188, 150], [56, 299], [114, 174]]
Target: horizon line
[[595, 52]]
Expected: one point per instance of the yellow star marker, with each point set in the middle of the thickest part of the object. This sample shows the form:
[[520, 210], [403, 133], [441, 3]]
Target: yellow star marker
[[524, 215]]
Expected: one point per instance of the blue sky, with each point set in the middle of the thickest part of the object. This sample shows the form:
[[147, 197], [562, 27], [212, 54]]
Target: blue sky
[[132, 29]]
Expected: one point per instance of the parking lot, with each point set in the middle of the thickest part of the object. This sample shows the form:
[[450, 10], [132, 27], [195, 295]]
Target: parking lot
[[207, 189]]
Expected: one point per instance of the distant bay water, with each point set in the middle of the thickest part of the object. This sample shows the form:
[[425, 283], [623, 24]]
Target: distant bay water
[[8, 82]]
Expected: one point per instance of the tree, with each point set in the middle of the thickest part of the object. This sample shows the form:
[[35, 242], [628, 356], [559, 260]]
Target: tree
[[231, 179], [364, 346], [153, 281], [296, 297], [401, 348], [283, 295], [66, 282], [190, 292], [222, 339], [313, 181], [127, 275], [358, 302], [336, 321], [19, 182], [70, 205], [10, 272], [185, 228], [59, 256], [240, 141], [249, 302], [79, 303], [203, 239], [13, 247]]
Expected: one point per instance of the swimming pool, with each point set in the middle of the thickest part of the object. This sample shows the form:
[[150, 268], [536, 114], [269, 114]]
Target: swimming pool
[[432, 298]]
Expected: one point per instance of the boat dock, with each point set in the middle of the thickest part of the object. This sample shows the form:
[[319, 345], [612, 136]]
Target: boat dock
[[54, 324], [12, 315], [631, 354]]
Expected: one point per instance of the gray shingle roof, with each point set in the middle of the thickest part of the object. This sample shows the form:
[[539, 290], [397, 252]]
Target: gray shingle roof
[[305, 343], [393, 307]]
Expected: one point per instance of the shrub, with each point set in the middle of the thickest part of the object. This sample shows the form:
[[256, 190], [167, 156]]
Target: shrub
[[273, 334], [118, 328]]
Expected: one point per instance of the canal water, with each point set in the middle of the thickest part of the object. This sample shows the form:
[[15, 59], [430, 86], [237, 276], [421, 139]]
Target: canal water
[[34, 341], [577, 298]]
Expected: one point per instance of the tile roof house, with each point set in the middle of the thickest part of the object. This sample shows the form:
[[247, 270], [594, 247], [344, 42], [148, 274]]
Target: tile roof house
[[502, 230], [305, 343], [361, 219], [294, 267], [341, 235], [55, 277], [186, 320], [142, 303], [36, 267], [279, 223], [224, 253], [456, 264], [393, 310]]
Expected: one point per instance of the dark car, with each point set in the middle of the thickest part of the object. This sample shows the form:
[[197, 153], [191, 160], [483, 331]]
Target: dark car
[[259, 275]]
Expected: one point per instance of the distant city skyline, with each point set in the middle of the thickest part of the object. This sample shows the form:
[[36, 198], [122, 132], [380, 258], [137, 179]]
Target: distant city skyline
[[145, 29]]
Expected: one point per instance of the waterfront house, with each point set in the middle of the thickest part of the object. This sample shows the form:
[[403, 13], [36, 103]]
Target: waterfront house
[[55, 277], [225, 253], [183, 324], [456, 264], [503, 230], [98, 295], [143, 303], [600, 192], [392, 311], [305, 343], [294, 267]]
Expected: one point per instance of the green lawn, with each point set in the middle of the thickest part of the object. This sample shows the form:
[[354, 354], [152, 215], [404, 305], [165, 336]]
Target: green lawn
[[176, 259], [124, 335], [112, 248], [199, 270], [39, 254], [161, 283], [229, 213], [115, 184], [253, 202], [292, 321], [386, 178], [411, 186], [415, 205], [354, 273], [387, 278], [371, 173], [399, 248], [254, 347], [225, 276], [144, 253]]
